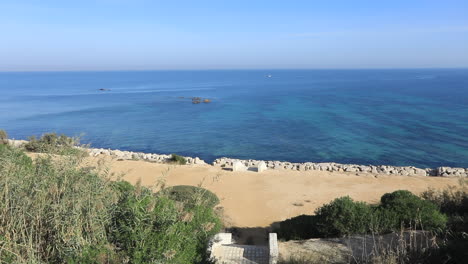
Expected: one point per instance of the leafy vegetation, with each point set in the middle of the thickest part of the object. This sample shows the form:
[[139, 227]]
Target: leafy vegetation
[[54, 144], [54, 210], [443, 213], [299, 227], [148, 227], [178, 159], [409, 210], [343, 216], [191, 195]]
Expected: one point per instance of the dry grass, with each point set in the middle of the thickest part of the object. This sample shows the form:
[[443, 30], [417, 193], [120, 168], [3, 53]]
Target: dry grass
[[3, 137], [56, 210], [49, 208]]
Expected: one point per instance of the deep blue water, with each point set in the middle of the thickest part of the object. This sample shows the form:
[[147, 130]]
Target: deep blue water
[[395, 117]]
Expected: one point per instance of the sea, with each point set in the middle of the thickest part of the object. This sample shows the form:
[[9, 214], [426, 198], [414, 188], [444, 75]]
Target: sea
[[402, 117]]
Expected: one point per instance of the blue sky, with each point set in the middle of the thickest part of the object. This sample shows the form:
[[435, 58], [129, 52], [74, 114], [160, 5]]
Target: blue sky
[[237, 34]]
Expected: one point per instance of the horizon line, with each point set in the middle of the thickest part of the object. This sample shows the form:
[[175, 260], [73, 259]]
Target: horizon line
[[236, 69]]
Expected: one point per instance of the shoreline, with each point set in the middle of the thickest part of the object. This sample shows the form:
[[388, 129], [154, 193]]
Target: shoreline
[[251, 199], [227, 163]]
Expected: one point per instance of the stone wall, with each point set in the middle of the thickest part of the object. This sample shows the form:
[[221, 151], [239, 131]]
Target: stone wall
[[330, 166]]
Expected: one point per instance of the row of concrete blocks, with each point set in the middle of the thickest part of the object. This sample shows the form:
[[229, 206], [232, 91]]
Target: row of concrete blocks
[[240, 165]]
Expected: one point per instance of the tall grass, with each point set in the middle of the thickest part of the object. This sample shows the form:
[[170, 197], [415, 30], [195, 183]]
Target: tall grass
[[452, 201], [54, 210], [49, 208]]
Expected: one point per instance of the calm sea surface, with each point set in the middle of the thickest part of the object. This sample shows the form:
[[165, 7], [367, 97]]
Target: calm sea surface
[[395, 117]]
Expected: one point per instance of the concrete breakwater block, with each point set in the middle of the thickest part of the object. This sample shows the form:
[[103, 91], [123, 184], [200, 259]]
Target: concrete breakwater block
[[350, 168], [261, 166], [238, 166]]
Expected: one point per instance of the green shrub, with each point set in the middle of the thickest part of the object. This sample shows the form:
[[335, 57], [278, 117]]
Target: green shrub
[[191, 195], [3, 137], [343, 216], [97, 254], [155, 229], [178, 159], [53, 143], [54, 210], [299, 227], [383, 221], [411, 211]]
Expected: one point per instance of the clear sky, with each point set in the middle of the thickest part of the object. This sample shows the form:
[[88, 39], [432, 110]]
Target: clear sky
[[217, 34]]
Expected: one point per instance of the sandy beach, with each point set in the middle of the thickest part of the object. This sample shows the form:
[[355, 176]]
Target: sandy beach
[[251, 199]]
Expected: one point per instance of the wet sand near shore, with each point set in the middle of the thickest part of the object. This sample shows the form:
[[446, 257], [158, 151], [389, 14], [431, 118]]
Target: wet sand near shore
[[251, 199]]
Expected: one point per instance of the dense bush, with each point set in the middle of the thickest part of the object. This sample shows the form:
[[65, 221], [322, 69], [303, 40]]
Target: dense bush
[[410, 210], [98, 254], [398, 211], [343, 216], [151, 228], [53, 143], [54, 210], [178, 159], [191, 195], [299, 227], [3, 137]]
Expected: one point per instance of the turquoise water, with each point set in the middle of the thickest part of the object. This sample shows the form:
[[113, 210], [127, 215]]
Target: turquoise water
[[395, 117]]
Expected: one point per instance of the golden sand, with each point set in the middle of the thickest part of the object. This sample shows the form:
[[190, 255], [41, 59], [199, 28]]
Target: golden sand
[[251, 199]]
